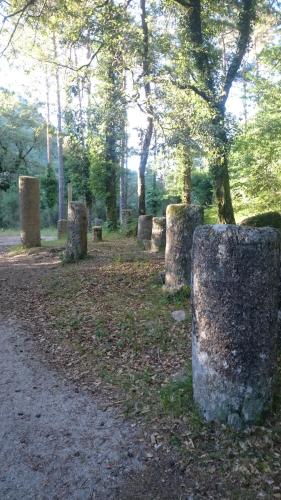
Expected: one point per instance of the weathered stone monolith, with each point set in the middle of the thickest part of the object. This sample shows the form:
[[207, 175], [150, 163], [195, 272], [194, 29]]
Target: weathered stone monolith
[[181, 221], [97, 233], [126, 218], [76, 247], [144, 230], [29, 200], [158, 236], [235, 277], [62, 228]]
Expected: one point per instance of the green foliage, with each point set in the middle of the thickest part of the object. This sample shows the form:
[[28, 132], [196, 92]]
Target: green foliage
[[255, 158], [50, 186], [21, 138], [202, 188], [22, 152]]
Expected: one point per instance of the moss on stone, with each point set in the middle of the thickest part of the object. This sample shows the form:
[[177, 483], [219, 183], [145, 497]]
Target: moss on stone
[[271, 219], [177, 210]]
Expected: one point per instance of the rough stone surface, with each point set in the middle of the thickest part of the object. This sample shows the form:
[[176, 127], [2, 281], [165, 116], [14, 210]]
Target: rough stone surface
[[126, 218], [97, 233], [178, 315], [62, 228], [181, 221], [158, 236], [29, 201], [77, 231], [144, 230], [279, 327], [235, 291]]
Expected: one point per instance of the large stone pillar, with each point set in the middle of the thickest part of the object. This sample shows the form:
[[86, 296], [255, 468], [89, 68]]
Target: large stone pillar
[[235, 275], [29, 201], [126, 218], [144, 230], [76, 247], [181, 221], [158, 236], [62, 228]]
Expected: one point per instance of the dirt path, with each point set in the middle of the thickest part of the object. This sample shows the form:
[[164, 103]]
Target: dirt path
[[55, 440]]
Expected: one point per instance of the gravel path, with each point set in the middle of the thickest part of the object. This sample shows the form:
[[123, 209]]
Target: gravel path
[[55, 441]]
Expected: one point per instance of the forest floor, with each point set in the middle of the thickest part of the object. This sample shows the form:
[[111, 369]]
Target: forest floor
[[103, 328]]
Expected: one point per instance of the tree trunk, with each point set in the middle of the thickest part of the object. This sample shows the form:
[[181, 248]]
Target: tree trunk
[[149, 130], [185, 164], [219, 171], [59, 140], [110, 181], [48, 135], [123, 181]]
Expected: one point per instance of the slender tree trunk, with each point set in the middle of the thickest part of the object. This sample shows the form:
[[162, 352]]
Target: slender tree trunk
[[219, 171], [59, 140], [149, 129], [110, 183], [185, 164], [48, 135], [123, 177], [142, 166]]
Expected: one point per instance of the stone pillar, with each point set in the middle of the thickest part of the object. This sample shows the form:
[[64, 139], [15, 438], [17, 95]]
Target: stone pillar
[[126, 218], [97, 233], [98, 222], [69, 193], [181, 221], [29, 201], [62, 228], [144, 230], [158, 236], [76, 247], [235, 274]]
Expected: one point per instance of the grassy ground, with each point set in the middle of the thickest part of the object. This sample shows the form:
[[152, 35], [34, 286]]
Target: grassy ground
[[107, 323]]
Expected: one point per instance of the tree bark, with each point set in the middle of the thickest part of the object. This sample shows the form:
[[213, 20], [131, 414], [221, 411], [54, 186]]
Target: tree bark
[[123, 179], [59, 139], [219, 170], [111, 161], [149, 129], [48, 135], [185, 164]]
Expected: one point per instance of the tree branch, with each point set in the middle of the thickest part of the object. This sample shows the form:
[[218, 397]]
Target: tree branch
[[244, 28], [20, 11]]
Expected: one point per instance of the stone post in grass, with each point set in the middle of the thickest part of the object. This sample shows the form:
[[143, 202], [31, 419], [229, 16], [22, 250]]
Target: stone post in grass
[[62, 228], [158, 236], [97, 233], [181, 220], [235, 279], [29, 201], [126, 218], [144, 230], [76, 247]]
